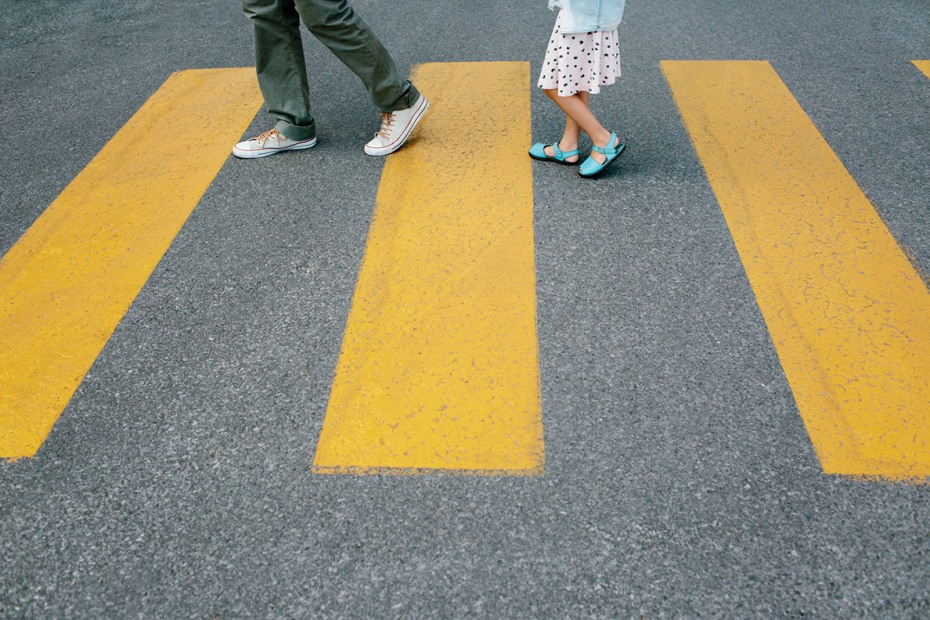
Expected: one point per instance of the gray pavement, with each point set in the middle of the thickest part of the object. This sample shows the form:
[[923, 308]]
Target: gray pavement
[[680, 481]]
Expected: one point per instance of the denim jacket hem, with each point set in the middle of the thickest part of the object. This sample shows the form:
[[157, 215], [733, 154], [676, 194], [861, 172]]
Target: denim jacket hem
[[589, 15]]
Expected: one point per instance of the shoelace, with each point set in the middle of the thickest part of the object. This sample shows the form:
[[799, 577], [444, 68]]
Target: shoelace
[[271, 133], [387, 121]]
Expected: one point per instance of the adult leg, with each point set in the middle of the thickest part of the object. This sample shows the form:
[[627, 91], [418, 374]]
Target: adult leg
[[280, 65], [339, 28]]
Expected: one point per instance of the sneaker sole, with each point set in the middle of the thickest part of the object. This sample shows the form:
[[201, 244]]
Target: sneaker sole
[[243, 154], [414, 120]]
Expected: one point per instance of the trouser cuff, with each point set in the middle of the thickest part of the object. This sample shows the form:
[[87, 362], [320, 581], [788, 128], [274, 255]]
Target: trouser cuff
[[407, 99], [296, 132]]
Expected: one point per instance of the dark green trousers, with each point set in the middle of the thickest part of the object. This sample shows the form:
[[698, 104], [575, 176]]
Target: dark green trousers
[[282, 71]]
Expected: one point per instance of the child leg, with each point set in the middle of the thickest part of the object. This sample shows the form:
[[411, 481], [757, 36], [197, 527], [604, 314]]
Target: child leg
[[569, 141], [577, 109]]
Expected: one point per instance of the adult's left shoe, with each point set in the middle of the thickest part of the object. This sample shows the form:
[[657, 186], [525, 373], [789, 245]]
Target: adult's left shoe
[[396, 128], [269, 143]]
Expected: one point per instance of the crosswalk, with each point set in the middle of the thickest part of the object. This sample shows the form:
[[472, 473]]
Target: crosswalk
[[439, 366]]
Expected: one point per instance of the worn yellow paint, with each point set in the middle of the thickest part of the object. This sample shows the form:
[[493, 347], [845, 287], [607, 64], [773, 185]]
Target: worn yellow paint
[[439, 364], [848, 314], [923, 65], [65, 285]]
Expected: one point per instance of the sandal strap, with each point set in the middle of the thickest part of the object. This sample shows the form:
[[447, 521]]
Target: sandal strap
[[608, 150], [562, 155]]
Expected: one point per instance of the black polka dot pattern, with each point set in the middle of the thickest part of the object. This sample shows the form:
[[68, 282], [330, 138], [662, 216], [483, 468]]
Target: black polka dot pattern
[[577, 62]]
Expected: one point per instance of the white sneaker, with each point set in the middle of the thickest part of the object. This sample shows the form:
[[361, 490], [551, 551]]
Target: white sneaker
[[396, 128], [269, 143]]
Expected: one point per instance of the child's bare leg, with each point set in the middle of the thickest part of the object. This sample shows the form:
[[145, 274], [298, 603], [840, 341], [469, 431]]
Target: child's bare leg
[[577, 109], [569, 141], [570, 136]]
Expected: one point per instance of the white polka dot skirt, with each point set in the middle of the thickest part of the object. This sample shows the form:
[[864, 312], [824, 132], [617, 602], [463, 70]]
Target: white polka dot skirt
[[578, 62]]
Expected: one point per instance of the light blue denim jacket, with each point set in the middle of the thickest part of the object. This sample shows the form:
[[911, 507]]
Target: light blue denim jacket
[[589, 15]]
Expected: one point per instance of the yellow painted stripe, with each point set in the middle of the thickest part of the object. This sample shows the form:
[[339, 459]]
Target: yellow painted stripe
[[923, 65], [69, 280], [848, 314], [439, 364]]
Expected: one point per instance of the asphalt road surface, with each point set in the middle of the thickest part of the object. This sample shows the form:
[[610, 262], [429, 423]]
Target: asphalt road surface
[[679, 478]]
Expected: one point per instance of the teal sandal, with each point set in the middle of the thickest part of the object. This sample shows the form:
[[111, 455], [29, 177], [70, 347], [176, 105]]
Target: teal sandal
[[538, 152], [591, 167]]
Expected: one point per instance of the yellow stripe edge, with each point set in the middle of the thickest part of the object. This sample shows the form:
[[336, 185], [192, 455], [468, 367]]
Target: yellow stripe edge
[[923, 65], [882, 478], [423, 471]]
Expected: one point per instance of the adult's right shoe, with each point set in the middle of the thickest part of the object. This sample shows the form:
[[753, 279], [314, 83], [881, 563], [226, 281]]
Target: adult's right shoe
[[395, 128]]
